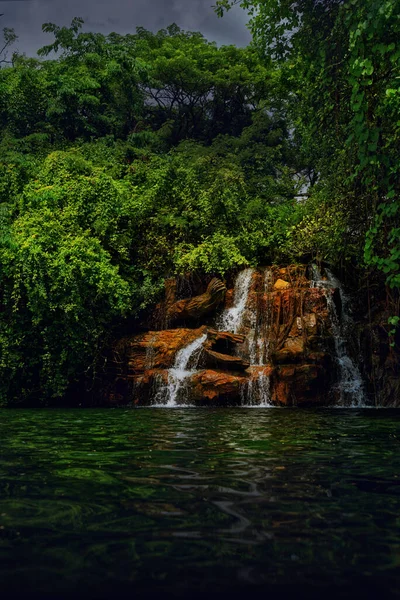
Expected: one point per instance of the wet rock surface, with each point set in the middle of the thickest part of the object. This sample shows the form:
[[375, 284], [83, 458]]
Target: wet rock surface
[[225, 362], [269, 340], [153, 350]]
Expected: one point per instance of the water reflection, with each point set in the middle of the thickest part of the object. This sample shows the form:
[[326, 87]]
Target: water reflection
[[201, 497]]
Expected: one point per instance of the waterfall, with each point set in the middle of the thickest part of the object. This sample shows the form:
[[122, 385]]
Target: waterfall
[[256, 393], [316, 280], [231, 319], [350, 383], [256, 323], [259, 353], [168, 393], [258, 389]]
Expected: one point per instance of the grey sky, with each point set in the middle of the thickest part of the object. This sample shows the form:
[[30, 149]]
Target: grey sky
[[122, 16]]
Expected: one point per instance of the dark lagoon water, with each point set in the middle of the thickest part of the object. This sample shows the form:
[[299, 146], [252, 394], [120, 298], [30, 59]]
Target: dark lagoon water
[[200, 503]]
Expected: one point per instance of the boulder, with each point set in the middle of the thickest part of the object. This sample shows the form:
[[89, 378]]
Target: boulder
[[300, 385], [292, 351], [155, 349], [281, 284], [223, 340], [199, 306], [216, 386], [225, 361]]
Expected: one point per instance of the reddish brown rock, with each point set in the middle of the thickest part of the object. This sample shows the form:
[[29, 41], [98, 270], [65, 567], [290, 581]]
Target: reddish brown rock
[[142, 387], [155, 349], [295, 345], [222, 339], [315, 301], [216, 386], [203, 386], [225, 361], [309, 323], [199, 306], [292, 351], [219, 351], [296, 274], [170, 292], [255, 372], [300, 385], [215, 336], [322, 358], [150, 376], [228, 298], [254, 297]]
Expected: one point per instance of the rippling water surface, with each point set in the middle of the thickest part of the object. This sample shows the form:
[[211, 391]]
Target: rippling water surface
[[197, 502]]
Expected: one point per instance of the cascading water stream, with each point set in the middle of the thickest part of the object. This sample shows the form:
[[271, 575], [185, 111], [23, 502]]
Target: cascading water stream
[[168, 394], [232, 318], [260, 327], [243, 317], [350, 383], [258, 388]]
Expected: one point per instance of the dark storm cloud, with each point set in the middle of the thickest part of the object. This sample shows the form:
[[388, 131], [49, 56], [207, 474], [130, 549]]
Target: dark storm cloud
[[123, 16]]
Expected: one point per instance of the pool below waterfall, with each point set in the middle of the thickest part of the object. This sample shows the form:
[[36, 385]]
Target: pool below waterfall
[[200, 502]]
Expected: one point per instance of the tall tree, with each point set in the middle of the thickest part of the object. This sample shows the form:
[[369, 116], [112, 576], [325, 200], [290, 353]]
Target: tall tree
[[9, 38]]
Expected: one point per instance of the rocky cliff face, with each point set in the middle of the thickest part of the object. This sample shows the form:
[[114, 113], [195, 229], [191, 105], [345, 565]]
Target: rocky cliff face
[[381, 362], [274, 337]]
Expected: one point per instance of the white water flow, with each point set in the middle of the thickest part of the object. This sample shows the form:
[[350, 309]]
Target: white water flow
[[232, 318], [259, 389], [257, 392], [261, 323], [350, 384], [243, 318], [188, 356]]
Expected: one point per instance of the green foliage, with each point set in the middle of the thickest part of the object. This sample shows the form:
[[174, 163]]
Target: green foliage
[[65, 274], [340, 64], [126, 85], [199, 89], [216, 254], [60, 284]]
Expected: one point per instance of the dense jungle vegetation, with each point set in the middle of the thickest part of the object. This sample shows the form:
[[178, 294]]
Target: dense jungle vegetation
[[125, 159]]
